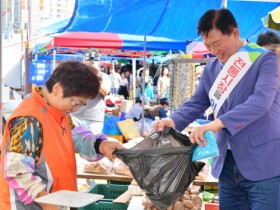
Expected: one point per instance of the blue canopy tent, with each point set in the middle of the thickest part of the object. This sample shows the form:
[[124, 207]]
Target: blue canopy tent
[[174, 19]]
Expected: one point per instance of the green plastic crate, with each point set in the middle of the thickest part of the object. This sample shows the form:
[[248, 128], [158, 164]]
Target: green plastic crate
[[103, 205], [110, 191]]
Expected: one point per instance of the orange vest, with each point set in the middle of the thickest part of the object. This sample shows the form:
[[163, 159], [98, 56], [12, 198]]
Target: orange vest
[[58, 156]]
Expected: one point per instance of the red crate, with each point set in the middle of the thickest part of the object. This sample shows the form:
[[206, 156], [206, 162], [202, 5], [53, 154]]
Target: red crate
[[211, 206]]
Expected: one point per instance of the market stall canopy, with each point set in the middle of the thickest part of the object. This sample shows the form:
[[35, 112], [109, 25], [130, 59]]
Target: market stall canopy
[[199, 50], [114, 41], [174, 19], [272, 20]]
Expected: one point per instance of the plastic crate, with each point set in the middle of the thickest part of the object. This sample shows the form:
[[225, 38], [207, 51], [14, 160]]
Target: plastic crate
[[211, 206], [103, 205], [118, 182], [110, 191]]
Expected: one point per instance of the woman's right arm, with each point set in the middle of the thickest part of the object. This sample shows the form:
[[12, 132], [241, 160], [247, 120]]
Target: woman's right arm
[[21, 156]]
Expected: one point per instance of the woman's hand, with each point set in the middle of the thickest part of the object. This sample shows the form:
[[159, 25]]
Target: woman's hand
[[108, 147]]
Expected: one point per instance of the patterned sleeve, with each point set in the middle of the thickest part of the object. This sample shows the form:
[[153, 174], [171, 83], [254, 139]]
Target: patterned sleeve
[[86, 143], [21, 155]]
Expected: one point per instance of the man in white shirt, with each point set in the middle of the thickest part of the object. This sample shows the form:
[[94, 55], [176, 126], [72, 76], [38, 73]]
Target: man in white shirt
[[91, 116], [115, 81]]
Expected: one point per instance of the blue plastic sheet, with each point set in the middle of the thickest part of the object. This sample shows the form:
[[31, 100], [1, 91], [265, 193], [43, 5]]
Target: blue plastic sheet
[[110, 125], [209, 150]]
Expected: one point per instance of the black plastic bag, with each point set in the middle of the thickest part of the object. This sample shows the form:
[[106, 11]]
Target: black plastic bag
[[162, 165]]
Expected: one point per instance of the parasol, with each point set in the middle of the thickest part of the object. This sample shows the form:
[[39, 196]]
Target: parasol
[[272, 20]]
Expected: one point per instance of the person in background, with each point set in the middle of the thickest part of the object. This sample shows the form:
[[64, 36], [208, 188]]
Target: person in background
[[91, 116], [247, 118], [270, 41], [268, 38], [138, 81], [118, 69], [157, 110], [127, 76], [149, 91], [115, 81], [124, 86], [40, 140], [135, 112], [163, 84]]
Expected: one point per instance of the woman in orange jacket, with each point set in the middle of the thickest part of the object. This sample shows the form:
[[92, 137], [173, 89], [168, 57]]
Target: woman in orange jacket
[[40, 141]]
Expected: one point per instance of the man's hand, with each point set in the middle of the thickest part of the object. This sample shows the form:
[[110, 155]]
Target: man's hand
[[108, 147], [197, 134], [159, 125]]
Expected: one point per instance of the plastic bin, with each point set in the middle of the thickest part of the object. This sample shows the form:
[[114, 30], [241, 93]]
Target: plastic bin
[[103, 205], [110, 192], [211, 206]]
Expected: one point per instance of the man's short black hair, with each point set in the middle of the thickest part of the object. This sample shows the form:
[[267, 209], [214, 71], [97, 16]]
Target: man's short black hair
[[220, 19]]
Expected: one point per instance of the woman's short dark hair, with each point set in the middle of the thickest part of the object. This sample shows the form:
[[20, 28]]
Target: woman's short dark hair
[[268, 38], [222, 20], [76, 78]]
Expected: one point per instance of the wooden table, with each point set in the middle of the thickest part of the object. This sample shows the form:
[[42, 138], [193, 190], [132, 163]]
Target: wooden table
[[81, 174], [119, 178], [211, 183]]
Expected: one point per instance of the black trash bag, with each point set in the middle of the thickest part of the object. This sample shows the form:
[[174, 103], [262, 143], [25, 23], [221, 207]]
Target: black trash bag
[[162, 165]]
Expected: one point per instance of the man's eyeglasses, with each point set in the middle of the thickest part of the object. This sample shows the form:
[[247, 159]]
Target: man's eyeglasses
[[76, 105]]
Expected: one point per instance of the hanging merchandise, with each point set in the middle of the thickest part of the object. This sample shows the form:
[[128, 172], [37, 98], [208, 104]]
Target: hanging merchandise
[[182, 82], [184, 79], [162, 165]]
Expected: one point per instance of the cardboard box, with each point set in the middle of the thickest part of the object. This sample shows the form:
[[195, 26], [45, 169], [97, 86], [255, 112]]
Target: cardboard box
[[116, 112], [120, 138], [126, 105], [128, 128]]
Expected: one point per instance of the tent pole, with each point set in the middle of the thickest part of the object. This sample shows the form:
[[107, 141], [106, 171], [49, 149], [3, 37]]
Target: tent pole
[[143, 88], [224, 4], [54, 58], [172, 86], [28, 86], [113, 64], [134, 78]]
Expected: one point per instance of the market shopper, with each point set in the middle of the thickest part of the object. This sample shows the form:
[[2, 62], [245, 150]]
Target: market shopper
[[163, 84], [40, 141], [91, 116], [268, 38], [115, 78], [241, 84], [147, 80], [124, 84]]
